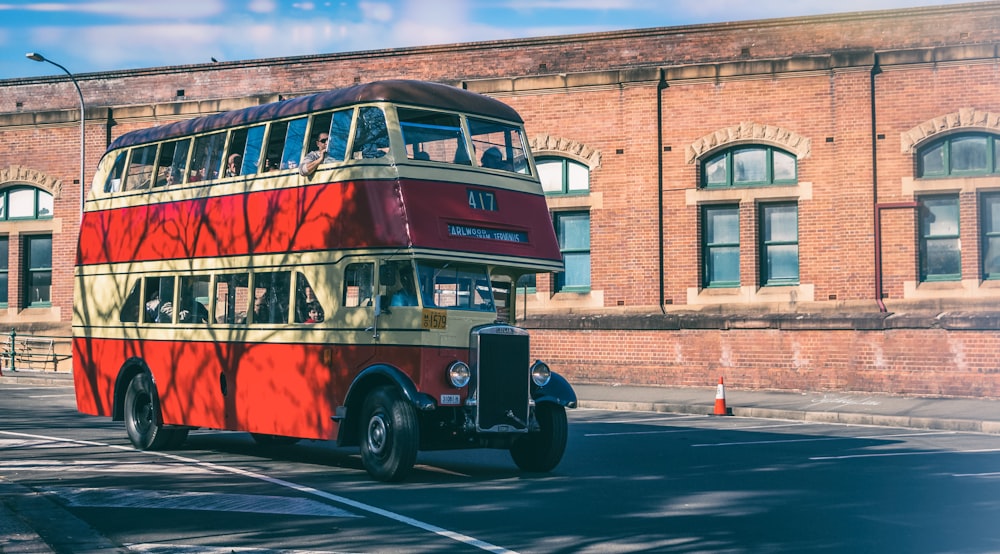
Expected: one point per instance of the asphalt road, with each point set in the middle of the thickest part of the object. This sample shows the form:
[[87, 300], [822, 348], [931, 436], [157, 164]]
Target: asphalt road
[[630, 482]]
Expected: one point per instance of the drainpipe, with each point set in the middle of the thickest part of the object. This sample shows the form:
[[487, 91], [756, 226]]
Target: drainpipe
[[660, 86]]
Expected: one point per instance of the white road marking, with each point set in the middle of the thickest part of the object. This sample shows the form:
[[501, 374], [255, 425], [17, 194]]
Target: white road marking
[[103, 466], [453, 535], [893, 454], [819, 439], [163, 548], [87, 497]]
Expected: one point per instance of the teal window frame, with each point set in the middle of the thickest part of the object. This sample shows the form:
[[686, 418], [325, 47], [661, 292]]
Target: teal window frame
[[577, 249], [36, 265], [945, 164], [4, 270], [989, 223], [731, 179], [719, 246], [776, 243], [39, 198], [573, 176], [938, 239]]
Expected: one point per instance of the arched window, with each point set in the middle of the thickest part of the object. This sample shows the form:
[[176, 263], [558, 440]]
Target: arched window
[[960, 155], [24, 202], [749, 165], [563, 175]]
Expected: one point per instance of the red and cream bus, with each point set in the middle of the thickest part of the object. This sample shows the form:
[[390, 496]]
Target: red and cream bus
[[220, 285]]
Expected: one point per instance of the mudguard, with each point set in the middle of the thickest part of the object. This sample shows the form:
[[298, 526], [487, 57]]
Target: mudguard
[[557, 390], [366, 381]]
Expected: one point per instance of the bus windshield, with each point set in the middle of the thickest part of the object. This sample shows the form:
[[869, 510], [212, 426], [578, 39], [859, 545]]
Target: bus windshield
[[455, 286]]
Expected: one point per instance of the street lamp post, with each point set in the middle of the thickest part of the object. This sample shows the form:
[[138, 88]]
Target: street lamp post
[[83, 120]]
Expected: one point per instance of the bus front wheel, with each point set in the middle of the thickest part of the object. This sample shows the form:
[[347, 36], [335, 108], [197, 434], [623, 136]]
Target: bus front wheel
[[541, 451], [142, 415], [389, 435]]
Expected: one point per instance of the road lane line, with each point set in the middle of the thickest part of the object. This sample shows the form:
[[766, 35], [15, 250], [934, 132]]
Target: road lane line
[[894, 454], [90, 497], [430, 528], [820, 439]]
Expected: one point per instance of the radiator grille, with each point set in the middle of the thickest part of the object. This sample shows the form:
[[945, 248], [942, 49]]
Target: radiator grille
[[502, 378]]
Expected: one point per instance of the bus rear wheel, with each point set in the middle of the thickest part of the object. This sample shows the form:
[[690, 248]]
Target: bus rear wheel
[[389, 435], [543, 450], [142, 415]]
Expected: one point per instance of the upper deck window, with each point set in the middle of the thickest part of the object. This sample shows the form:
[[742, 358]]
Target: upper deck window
[[501, 146], [371, 138], [433, 136]]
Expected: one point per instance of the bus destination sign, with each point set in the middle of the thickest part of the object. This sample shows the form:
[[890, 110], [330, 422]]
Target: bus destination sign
[[485, 233]]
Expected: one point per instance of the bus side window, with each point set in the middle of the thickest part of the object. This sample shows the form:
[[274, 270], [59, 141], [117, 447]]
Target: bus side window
[[163, 164], [192, 299], [295, 138], [178, 163], [251, 156], [130, 308], [305, 300], [371, 139], [271, 297], [159, 300], [207, 157], [232, 297], [140, 169], [275, 145], [113, 182], [358, 281], [340, 131], [235, 151]]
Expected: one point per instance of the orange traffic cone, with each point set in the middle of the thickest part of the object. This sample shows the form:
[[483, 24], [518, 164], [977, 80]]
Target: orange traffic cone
[[720, 399]]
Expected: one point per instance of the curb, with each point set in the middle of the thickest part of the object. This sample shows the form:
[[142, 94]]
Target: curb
[[853, 418]]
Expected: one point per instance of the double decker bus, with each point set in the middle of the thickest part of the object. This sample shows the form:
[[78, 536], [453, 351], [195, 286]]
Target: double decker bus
[[221, 284]]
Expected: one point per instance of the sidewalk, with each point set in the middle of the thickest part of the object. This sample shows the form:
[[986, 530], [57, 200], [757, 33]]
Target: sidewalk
[[953, 414]]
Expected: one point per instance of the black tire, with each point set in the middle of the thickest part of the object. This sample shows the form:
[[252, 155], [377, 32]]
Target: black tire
[[273, 440], [543, 450], [390, 435], [142, 415]]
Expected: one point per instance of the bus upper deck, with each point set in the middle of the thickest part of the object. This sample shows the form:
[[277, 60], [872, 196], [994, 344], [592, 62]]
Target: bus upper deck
[[408, 164]]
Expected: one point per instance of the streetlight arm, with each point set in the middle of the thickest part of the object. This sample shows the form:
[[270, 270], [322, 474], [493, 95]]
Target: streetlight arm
[[83, 123]]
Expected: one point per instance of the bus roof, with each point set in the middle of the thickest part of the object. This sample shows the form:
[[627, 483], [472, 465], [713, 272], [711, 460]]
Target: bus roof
[[419, 93]]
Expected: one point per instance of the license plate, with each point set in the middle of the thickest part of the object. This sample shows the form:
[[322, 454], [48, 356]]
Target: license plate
[[435, 319]]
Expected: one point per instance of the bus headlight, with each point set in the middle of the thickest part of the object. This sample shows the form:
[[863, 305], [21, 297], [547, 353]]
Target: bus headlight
[[459, 374], [540, 373]]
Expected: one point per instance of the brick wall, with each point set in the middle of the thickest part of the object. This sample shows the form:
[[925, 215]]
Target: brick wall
[[807, 76]]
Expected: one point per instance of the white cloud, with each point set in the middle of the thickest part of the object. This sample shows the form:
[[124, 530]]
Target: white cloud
[[128, 8], [262, 6], [376, 11]]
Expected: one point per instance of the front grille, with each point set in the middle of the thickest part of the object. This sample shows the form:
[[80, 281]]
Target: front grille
[[500, 354]]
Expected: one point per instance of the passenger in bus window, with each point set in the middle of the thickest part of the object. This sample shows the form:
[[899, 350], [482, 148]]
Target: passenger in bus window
[[315, 312], [233, 166], [304, 296], [492, 158], [314, 158], [192, 311], [407, 293], [152, 306]]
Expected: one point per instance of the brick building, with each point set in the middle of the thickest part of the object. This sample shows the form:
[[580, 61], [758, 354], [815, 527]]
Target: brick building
[[802, 203]]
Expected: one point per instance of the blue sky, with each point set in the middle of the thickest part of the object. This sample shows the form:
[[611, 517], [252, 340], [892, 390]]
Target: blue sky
[[102, 35]]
